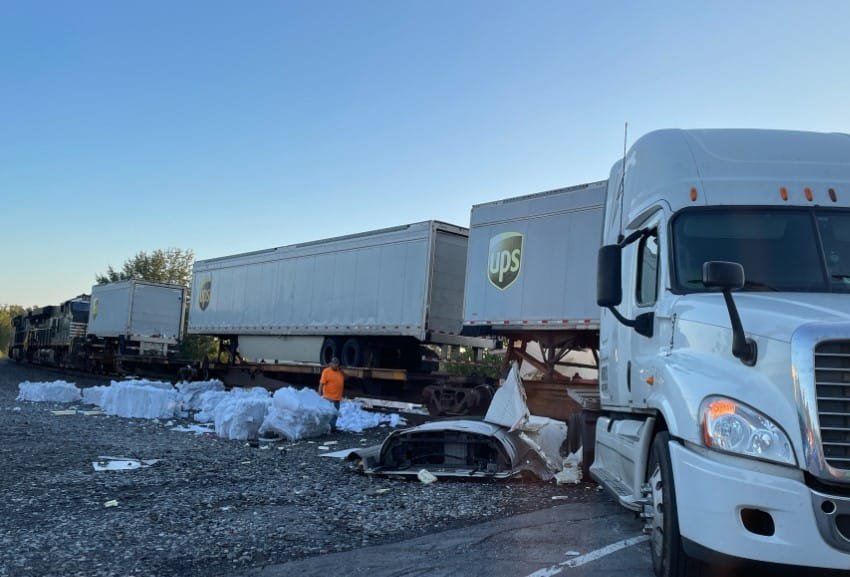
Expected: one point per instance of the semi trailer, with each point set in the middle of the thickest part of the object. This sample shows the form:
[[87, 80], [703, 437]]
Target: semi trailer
[[137, 317], [724, 353], [386, 299], [530, 281]]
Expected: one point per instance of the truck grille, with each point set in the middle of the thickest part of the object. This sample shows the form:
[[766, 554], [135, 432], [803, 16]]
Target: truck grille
[[832, 385]]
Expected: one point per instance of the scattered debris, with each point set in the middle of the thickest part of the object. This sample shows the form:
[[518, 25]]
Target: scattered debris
[[571, 472], [560, 497], [379, 491], [324, 448], [121, 463], [92, 413], [397, 406], [426, 476], [197, 429], [112, 503], [64, 412], [343, 454], [572, 554]]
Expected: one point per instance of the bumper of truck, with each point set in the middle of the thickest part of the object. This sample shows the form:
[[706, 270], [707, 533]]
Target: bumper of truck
[[715, 496]]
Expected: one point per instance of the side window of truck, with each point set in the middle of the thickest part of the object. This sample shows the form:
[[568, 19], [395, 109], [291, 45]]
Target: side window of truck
[[647, 270]]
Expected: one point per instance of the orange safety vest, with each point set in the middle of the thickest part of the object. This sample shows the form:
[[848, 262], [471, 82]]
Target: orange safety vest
[[332, 382]]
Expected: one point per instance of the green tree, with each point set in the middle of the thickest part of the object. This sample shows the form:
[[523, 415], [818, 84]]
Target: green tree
[[172, 265], [7, 313], [488, 364]]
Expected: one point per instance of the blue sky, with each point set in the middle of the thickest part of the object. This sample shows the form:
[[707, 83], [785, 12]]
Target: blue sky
[[224, 127]]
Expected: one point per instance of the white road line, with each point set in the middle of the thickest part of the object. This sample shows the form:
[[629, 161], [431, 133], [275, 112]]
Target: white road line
[[588, 557]]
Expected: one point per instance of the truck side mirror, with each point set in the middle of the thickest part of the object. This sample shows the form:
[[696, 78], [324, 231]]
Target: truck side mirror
[[609, 288], [729, 276], [723, 275]]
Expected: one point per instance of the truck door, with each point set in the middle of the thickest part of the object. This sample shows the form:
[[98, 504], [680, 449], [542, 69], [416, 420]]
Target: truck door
[[647, 285]]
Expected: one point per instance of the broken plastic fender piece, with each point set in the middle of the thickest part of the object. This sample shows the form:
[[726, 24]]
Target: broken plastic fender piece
[[426, 476]]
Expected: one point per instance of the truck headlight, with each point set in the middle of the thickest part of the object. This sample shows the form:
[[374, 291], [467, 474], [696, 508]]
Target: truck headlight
[[728, 425]]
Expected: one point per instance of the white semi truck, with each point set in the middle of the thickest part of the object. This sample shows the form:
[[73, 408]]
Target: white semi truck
[[724, 360]]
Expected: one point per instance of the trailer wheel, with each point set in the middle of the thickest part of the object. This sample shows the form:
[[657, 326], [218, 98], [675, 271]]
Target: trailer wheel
[[330, 349], [665, 544], [352, 353]]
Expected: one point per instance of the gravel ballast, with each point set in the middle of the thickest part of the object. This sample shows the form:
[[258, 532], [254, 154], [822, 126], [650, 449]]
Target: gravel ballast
[[210, 506]]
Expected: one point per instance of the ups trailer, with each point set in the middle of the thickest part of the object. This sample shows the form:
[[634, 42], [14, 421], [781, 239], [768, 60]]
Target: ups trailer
[[385, 299], [136, 318], [530, 275]]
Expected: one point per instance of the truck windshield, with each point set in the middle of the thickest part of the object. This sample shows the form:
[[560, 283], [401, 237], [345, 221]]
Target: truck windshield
[[780, 249]]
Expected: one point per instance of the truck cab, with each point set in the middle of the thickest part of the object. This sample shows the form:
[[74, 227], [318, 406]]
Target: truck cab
[[724, 362]]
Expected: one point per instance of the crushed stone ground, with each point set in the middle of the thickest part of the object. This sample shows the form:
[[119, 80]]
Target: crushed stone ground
[[210, 506]]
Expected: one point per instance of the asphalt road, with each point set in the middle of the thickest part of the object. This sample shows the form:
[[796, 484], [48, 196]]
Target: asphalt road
[[588, 539]]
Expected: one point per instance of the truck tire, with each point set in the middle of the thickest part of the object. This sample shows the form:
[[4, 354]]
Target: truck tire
[[330, 349], [352, 353], [665, 543]]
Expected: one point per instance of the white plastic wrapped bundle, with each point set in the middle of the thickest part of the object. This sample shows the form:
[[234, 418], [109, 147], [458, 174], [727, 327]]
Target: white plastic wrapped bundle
[[299, 414], [190, 393], [55, 392], [94, 395], [140, 399], [354, 419], [207, 403], [240, 413]]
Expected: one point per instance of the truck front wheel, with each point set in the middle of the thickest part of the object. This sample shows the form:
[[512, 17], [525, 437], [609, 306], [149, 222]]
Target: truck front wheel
[[668, 556]]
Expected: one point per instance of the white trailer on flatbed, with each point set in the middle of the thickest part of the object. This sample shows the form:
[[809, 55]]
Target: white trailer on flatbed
[[370, 299]]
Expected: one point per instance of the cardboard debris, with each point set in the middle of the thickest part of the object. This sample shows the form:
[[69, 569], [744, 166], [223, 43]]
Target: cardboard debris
[[121, 464], [399, 406], [426, 476], [197, 429]]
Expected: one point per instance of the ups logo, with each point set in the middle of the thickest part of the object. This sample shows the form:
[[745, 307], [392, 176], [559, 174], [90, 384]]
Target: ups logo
[[205, 294], [504, 259]]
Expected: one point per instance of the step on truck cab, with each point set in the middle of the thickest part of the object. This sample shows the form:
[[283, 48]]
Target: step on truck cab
[[725, 346]]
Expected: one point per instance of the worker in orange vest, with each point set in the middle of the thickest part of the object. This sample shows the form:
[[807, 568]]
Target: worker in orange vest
[[331, 384]]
